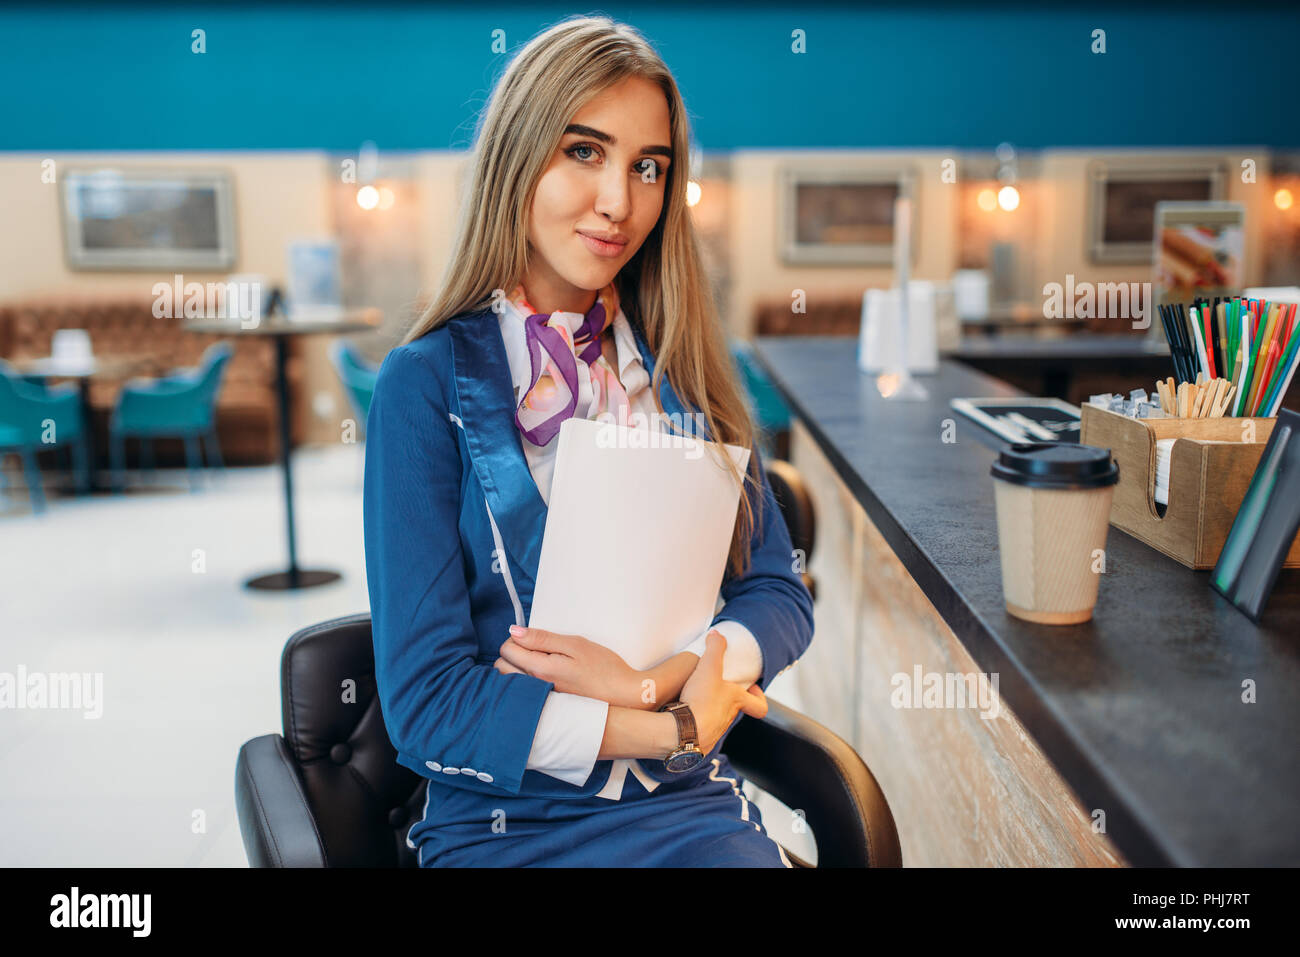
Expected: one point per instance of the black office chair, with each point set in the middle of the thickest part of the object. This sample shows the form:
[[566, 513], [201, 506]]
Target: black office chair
[[330, 793]]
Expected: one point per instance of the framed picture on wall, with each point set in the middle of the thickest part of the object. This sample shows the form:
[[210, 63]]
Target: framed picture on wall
[[1122, 202], [840, 217], [148, 219]]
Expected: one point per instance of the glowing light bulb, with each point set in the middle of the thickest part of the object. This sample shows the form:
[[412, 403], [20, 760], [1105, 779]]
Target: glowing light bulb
[[693, 192], [1008, 198], [1283, 199], [367, 197], [988, 200]]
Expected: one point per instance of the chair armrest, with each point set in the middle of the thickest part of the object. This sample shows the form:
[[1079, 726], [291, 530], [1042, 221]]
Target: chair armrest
[[275, 820], [808, 767]]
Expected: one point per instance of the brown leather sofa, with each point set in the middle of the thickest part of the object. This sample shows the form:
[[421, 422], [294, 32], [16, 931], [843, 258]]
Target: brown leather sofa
[[246, 405], [826, 316]]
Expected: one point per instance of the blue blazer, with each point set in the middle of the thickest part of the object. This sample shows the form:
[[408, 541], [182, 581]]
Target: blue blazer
[[453, 533]]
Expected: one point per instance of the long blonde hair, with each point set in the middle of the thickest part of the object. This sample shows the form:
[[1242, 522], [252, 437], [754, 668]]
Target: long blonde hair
[[663, 286]]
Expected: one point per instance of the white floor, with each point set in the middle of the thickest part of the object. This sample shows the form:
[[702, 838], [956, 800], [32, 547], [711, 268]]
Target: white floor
[[189, 659]]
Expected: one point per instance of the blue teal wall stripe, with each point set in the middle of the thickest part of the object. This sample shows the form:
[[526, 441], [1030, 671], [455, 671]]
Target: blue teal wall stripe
[[413, 77]]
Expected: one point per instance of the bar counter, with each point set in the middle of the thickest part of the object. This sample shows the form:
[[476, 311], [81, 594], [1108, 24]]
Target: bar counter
[[1124, 740]]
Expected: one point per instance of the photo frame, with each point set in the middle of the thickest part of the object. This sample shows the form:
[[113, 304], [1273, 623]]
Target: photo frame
[[148, 219], [841, 217], [1199, 250], [1122, 195]]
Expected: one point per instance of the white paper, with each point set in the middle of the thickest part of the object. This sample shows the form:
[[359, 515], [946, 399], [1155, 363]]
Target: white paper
[[636, 539]]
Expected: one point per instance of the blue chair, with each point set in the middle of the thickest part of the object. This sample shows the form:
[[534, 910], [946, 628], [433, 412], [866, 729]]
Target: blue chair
[[183, 404], [34, 418], [357, 375], [770, 412]]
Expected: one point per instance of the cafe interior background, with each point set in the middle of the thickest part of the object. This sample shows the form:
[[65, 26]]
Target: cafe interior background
[[318, 151]]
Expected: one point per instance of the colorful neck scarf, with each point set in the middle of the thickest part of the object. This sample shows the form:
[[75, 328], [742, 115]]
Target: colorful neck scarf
[[569, 374]]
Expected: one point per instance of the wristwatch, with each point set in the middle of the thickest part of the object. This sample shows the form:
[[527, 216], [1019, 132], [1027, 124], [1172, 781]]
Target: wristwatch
[[687, 755]]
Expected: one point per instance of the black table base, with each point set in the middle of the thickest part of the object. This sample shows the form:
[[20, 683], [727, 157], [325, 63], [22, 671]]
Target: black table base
[[293, 578], [280, 330]]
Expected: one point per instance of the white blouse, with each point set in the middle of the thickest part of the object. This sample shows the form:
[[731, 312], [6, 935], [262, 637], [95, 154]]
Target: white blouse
[[572, 726]]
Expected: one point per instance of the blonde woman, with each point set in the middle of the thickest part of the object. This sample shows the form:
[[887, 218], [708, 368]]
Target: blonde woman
[[575, 287]]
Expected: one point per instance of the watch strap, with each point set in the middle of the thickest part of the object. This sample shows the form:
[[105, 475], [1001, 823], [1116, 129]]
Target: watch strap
[[687, 734]]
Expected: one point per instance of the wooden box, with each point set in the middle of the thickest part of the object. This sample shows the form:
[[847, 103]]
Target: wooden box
[[1210, 468]]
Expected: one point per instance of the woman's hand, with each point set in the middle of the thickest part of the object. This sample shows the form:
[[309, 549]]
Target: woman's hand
[[715, 702], [575, 665]]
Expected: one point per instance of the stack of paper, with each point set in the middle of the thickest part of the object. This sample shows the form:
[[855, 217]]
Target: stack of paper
[[637, 535]]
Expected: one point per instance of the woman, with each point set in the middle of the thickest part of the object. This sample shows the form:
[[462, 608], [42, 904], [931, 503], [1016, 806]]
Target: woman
[[575, 288]]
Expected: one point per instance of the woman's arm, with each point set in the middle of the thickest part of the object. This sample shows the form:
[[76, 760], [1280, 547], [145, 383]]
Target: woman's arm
[[714, 701], [447, 715], [577, 666], [633, 733]]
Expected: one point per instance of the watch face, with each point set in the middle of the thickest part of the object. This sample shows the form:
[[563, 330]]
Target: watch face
[[685, 761]]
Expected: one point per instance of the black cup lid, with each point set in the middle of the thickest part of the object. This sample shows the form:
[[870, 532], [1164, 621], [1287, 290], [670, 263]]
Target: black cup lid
[[1056, 465]]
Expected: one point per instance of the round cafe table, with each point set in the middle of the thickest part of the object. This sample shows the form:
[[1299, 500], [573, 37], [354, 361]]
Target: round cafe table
[[282, 330]]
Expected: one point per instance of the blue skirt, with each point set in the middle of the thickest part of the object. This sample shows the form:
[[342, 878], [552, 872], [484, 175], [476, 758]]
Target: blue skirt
[[704, 822]]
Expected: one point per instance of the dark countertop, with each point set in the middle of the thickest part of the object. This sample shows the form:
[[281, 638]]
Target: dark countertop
[[1091, 345], [1139, 709]]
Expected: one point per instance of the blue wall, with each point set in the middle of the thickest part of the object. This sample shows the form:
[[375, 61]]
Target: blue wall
[[411, 77]]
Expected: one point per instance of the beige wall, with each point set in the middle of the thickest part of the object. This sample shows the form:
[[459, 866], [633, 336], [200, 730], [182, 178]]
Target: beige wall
[[438, 177], [278, 197]]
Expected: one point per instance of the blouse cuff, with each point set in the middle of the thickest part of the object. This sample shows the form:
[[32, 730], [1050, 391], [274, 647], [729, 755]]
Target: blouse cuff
[[742, 662], [568, 736]]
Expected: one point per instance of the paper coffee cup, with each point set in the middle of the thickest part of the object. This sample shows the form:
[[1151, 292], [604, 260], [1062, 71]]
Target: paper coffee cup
[[1053, 505]]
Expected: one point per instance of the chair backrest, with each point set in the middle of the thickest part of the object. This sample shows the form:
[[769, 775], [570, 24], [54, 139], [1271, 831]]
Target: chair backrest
[[797, 508], [770, 411], [213, 367], [23, 405], [357, 375], [362, 800], [14, 389]]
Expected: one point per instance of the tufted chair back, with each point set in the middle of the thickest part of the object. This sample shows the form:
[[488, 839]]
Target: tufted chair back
[[361, 800]]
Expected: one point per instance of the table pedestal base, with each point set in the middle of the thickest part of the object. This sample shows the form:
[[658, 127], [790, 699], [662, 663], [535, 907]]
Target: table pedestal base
[[292, 578]]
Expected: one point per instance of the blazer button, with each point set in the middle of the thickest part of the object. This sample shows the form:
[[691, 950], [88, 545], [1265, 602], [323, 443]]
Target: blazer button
[[451, 770], [433, 765], [468, 771], [484, 776]]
